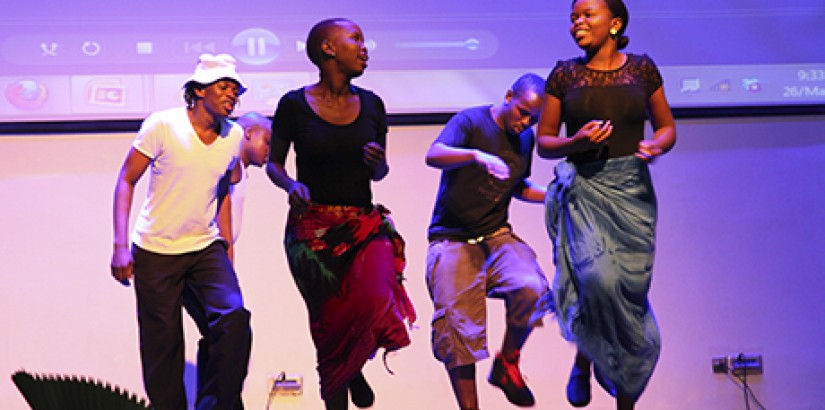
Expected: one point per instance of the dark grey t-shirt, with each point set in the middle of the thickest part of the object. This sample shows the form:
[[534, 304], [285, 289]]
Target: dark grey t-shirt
[[470, 201]]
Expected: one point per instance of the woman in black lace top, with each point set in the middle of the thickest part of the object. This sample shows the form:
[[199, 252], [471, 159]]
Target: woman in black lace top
[[601, 207]]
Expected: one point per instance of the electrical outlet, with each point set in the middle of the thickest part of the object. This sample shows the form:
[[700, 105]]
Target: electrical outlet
[[719, 364], [284, 384], [746, 364], [740, 364]]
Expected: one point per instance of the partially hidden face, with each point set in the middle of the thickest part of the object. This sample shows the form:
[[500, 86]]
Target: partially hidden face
[[257, 144], [522, 111]]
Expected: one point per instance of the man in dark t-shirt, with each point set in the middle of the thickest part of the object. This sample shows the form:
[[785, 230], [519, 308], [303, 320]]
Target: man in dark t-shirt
[[485, 155]]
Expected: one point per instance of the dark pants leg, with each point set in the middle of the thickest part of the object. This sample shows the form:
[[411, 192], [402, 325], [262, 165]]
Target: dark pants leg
[[229, 337], [195, 307], [208, 277], [158, 285]]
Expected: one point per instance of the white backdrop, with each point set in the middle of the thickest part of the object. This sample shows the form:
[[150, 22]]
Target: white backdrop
[[738, 268]]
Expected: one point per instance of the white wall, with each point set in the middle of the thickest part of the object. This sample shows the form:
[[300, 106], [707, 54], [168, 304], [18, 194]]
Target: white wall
[[738, 269]]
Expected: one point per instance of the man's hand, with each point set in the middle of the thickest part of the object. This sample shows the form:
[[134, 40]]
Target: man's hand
[[122, 264], [494, 165]]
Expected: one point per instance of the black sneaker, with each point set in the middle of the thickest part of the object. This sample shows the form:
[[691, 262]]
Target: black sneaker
[[506, 375], [360, 392]]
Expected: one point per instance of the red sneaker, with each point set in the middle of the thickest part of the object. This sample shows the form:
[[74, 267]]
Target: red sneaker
[[506, 375]]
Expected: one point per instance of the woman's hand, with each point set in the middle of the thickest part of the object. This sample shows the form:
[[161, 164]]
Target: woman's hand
[[648, 151], [376, 159], [374, 155], [299, 197], [595, 132]]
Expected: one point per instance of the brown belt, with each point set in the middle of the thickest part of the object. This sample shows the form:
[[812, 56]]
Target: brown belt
[[479, 239]]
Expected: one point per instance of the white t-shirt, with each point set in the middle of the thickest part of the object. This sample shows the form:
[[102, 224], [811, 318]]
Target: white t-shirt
[[179, 213]]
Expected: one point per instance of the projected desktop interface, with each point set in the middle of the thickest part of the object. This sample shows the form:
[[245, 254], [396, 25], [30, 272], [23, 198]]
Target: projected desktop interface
[[101, 70]]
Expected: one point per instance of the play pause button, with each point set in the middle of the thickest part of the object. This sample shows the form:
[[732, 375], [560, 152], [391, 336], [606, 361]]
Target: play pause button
[[256, 46]]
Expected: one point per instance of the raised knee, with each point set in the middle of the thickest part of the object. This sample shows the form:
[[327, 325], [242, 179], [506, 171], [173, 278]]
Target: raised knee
[[532, 293], [596, 283], [236, 319]]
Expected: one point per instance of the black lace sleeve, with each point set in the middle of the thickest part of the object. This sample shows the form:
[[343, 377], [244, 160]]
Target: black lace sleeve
[[557, 79], [650, 75]]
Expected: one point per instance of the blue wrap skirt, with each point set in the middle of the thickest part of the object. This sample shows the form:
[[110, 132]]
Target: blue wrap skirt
[[601, 217]]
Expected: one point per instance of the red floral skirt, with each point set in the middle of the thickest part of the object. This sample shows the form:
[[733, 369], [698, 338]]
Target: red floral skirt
[[347, 262]]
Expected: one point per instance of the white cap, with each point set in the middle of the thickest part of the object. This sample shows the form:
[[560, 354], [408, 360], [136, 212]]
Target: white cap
[[212, 68]]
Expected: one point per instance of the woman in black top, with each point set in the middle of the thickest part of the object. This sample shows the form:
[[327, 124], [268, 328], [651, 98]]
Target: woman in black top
[[601, 207], [344, 253]]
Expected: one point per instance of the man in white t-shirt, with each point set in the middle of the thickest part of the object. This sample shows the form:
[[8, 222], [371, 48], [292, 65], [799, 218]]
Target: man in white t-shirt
[[182, 238]]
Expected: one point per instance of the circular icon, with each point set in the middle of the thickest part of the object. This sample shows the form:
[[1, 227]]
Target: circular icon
[[256, 46], [26, 94], [90, 48], [472, 44]]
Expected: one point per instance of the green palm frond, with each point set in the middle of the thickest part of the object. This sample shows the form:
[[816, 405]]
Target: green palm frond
[[60, 392]]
